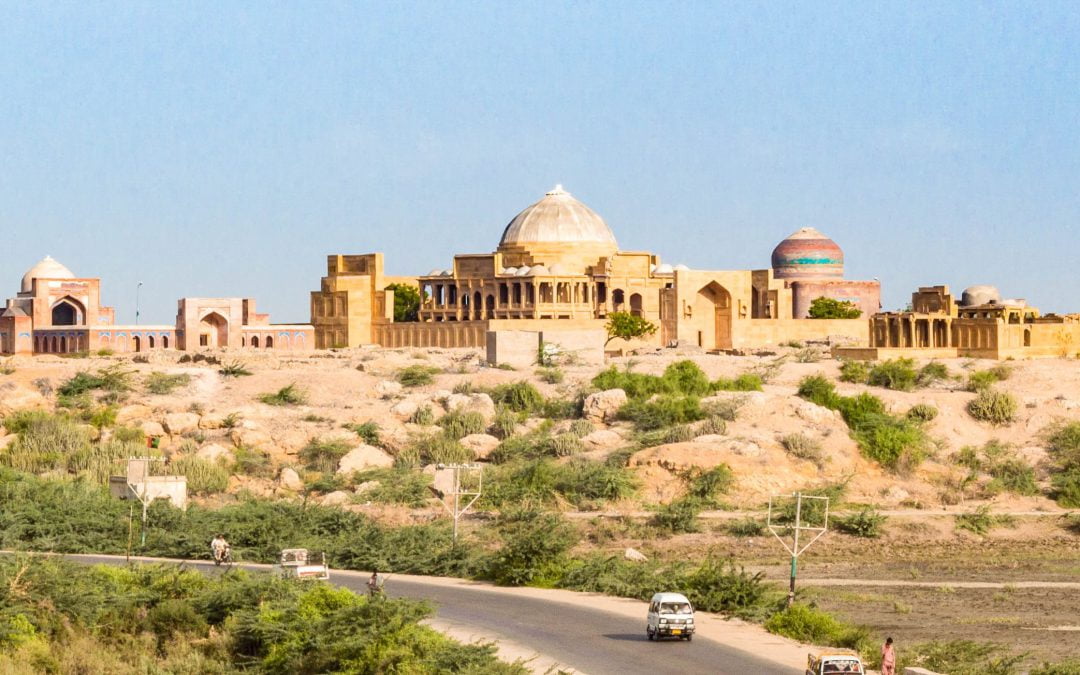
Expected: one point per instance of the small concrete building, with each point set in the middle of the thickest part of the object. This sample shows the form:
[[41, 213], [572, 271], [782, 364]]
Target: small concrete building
[[558, 267]]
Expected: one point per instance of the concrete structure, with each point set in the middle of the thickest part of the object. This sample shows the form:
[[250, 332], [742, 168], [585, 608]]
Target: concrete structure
[[558, 267], [56, 312], [139, 483], [981, 325]]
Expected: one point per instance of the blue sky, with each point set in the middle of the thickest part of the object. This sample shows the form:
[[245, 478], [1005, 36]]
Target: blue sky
[[227, 148]]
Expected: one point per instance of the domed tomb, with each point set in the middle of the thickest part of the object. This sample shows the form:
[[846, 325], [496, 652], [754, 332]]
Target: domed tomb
[[807, 254], [46, 268], [981, 294], [557, 229]]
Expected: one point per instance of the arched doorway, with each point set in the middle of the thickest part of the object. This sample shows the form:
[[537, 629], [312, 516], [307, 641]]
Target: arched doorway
[[213, 331], [269, 341], [164, 341], [717, 333], [478, 305], [136, 343], [63, 345], [635, 304], [618, 299], [491, 306], [255, 341], [67, 312], [1027, 337]]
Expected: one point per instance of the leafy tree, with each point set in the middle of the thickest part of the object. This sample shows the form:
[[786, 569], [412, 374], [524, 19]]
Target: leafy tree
[[627, 326], [827, 308], [406, 302]]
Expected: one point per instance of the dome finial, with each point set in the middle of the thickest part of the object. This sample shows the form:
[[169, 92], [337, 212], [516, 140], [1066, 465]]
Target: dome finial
[[557, 190]]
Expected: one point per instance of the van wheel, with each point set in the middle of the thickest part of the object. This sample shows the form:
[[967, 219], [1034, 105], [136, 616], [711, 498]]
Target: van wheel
[[649, 634], [689, 637]]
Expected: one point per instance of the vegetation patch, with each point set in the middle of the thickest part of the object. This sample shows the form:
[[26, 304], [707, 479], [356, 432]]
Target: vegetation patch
[[324, 455], [417, 375], [864, 523], [164, 383], [996, 407], [203, 476], [287, 395]]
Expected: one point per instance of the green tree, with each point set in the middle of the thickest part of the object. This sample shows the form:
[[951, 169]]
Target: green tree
[[827, 308], [406, 302], [627, 326]]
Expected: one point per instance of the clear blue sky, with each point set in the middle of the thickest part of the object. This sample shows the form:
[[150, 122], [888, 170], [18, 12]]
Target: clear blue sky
[[225, 148]]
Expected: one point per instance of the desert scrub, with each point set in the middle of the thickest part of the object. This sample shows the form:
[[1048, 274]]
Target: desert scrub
[[369, 432], [921, 413], [806, 624], [565, 445], [898, 374], [394, 486], [417, 375], [663, 411], [550, 375], [864, 523], [46, 442], [252, 462], [233, 369], [712, 425], [459, 424], [746, 527], [287, 395], [164, 383], [1064, 445], [681, 377], [804, 447], [114, 379], [581, 428], [324, 455], [506, 422], [581, 482], [983, 379], [424, 416], [203, 477], [932, 373], [707, 485], [518, 396], [993, 406], [855, 372], [424, 449], [678, 516], [981, 521]]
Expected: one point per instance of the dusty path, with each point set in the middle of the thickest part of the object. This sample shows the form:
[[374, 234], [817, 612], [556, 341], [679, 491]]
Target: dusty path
[[892, 513], [940, 584]]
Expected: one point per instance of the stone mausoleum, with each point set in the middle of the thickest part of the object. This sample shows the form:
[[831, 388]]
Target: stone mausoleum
[[558, 269], [56, 312]]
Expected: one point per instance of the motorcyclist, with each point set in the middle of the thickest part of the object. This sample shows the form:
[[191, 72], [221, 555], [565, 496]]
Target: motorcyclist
[[220, 548]]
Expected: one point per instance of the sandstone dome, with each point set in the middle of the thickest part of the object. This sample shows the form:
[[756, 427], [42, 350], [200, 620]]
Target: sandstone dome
[[46, 268], [980, 295], [807, 254], [558, 218]]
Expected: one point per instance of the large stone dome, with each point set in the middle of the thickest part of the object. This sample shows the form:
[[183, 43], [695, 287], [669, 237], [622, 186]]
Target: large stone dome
[[981, 294], [807, 254], [557, 218], [46, 268]]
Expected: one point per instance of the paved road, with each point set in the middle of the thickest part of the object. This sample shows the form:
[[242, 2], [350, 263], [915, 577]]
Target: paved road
[[588, 640]]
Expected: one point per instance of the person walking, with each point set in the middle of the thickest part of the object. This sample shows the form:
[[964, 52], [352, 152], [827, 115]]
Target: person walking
[[375, 584], [888, 658]]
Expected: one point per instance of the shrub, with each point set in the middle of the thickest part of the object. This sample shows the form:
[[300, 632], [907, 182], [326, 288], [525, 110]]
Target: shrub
[[808, 355], [921, 413], [287, 395], [856, 372], [129, 435], [895, 443], [395, 486], [828, 308], [1066, 488], [417, 375], [1064, 442], [506, 421], [163, 383], [459, 424], [368, 432], [580, 481], [686, 377], [804, 447], [959, 657], [560, 409], [726, 409], [864, 523], [550, 375], [678, 515], [898, 374], [721, 587], [111, 379], [252, 462], [746, 527], [564, 445], [45, 442], [203, 477], [436, 449], [664, 411], [818, 389], [990, 405], [714, 424], [705, 485], [932, 372], [980, 521], [519, 396], [324, 455], [233, 369], [1013, 475], [744, 382], [581, 428], [805, 624], [424, 416], [534, 545]]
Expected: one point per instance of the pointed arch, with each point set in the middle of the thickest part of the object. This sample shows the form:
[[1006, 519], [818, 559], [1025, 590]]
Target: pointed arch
[[67, 311]]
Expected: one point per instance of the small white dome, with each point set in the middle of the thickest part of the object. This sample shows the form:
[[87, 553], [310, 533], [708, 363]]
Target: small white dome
[[559, 269], [539, 270], [447, 273], [510, 270], [681, 268], [434, 273], [652, 268], [664, 269], [523, 271], [46, 268]]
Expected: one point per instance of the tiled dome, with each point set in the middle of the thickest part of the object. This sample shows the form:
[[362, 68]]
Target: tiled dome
[[807, 254]]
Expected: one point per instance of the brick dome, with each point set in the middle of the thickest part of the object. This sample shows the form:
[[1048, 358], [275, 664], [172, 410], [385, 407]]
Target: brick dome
[[807, 254]]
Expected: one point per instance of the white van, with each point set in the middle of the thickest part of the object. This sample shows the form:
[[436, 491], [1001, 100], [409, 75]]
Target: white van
[[670, 615]]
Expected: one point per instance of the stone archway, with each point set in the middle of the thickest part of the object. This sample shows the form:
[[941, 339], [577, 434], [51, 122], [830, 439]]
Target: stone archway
[[68, 311], [719, 329], [214, 331]]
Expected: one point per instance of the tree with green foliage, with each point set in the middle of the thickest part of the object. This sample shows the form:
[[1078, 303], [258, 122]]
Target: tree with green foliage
[[627, 326], [827, 308], [406, 302]]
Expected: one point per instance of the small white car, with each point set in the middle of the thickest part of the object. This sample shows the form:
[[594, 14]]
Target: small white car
[[670, 615], [299, 563]]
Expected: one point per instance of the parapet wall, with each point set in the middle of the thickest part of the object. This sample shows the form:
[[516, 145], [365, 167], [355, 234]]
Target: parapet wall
[[760, 332]]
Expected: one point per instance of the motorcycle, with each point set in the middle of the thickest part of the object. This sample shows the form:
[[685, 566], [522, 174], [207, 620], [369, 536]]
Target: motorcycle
[[223, 556]]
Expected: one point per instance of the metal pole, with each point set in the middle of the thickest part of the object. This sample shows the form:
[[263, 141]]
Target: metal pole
[[137, 287], [143, 542], [131, 516], [795, 550]]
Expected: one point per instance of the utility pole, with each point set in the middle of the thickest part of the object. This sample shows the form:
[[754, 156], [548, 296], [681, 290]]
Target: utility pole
[[781, 530], [454, 481], [137, 287]]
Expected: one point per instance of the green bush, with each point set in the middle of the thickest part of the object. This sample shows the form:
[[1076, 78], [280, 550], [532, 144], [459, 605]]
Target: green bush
[[808, 625], [459, 424], [324, 455], [582, 482], [233, 369], [565, 445], [550, 375], [1013, 475], [898, 374], [922, 413], [369, 432], [45, 442], [981, 521], [1070, 667], [706, 485], [865, 523], [439, 448], [746, 527], [984, 379], [818, 389], [163, 383], [506, 422], [804, 447], [581, 428], [520, 397], [933, 372], [744, 382], [252, 462], [424, 416], [1066, 488], [203, 477], [678, 515], [660, 412], [535, 546], [1064, 442], [682, 377], [111, 379], [287, 395], [856, 372], [417, 375], [395, 486], [990, 405]]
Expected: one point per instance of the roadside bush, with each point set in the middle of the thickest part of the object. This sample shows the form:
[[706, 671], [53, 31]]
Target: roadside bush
[[808, 625], [993, 406], [324, 455], [960, 657], [922, 413], [865, 523], [394, 486], [203, 477], [534, 549], [163, 383], [417, 375], [856, 372], [664, 411], [459, 424], [981, 521], [746, 527], [898, 374], [678, 515], [721, 587], [287, 395], [521, 397], [804, 447]]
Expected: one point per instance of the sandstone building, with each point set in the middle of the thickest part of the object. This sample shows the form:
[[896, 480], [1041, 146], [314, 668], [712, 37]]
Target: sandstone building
[[56, 312], [558, 269]]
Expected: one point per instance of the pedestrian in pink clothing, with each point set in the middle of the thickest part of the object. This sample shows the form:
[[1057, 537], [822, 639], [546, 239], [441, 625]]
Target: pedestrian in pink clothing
[[888, 658]]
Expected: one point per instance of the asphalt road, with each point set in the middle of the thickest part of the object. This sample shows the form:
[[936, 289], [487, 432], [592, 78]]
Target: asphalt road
[[585, 639]]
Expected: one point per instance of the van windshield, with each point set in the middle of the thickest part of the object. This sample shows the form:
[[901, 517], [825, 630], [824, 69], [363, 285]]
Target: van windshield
[[842, 666], [674, 608]]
